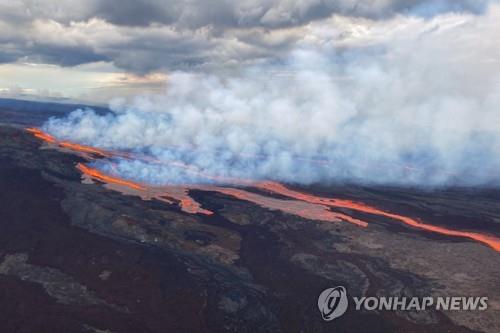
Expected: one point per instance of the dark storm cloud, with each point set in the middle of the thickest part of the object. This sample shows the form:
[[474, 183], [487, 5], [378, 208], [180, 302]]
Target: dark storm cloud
[[134, 13], [144, 56], [65, 56], [146, 35], [264, 13]]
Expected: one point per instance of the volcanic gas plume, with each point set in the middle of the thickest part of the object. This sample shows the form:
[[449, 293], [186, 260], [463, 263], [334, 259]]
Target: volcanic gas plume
[[301, 204], [419, 111]]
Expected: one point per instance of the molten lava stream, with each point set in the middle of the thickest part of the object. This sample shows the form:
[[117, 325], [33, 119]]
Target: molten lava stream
[[41, 135], [178, 194], [490, 240], [68, 145], [93, 173], [187, 204], [84, 149], [294, 207], [316, 210]]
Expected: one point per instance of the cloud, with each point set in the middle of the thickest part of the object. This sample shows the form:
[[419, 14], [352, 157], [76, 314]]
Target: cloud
[[226, 13], [415, 105], [151, 35]]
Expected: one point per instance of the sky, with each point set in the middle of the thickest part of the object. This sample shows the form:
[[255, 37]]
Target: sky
[[97, 50]]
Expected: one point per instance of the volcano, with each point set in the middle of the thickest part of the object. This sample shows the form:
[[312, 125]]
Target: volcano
[[94, 251], [305, 205]]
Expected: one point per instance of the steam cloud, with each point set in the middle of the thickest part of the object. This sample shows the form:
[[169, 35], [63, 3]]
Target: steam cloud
[[415, 110]]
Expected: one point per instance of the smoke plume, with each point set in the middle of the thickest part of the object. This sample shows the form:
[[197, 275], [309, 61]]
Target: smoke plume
[[419, 108]]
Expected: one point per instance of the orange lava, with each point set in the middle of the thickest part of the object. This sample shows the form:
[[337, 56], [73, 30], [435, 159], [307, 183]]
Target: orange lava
[[66, 144], [191, 206], [492, 241], [304, 205], [181, 194], [41, 135], [96, 174], [178, 194], [84, 149], [303, 209]]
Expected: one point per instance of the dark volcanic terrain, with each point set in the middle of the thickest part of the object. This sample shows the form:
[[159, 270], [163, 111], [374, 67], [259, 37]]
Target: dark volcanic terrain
[[78, 257]]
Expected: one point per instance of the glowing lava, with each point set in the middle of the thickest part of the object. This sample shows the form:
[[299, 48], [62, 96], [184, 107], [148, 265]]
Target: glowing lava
[[41, 135], [84, 149], [68, 145], [492, 241], [96, 174], [170, 194], [304, 205], [294, 207]]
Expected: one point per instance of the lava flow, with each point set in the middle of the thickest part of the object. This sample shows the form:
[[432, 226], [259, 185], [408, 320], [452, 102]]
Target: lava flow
[[68, 145], [96, 174], [170, 194], [295, 207], [180, 194], [305, 205], [41, 135], [492, 241]]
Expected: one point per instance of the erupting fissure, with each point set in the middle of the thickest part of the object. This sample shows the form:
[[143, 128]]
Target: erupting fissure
[[68, 145], [301, 204]]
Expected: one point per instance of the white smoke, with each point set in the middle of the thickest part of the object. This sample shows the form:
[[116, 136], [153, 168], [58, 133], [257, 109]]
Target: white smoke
[[419, 108]]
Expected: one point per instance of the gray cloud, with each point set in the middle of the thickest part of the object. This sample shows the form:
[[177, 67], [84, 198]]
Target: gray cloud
[[243, 13], [148, 35], [135, 13], [64, 55]]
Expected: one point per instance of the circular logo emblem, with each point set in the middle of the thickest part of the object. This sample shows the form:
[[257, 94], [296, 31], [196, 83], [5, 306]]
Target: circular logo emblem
[[332, 303]]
